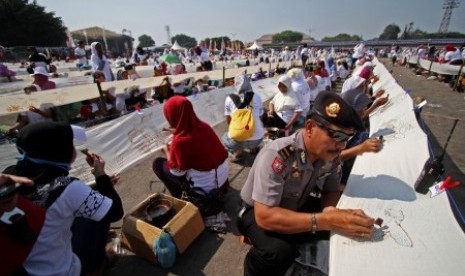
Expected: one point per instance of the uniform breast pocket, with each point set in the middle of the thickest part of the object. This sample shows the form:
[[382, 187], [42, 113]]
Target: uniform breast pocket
[[292, 188]]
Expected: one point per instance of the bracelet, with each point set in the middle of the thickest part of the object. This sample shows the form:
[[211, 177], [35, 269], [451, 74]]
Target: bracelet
[[314, 227]]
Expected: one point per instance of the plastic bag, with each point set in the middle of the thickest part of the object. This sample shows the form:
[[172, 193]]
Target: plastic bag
[[165, 249]]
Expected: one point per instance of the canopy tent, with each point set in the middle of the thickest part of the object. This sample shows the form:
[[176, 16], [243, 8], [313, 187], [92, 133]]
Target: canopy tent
[[255, 46], [177, 47]]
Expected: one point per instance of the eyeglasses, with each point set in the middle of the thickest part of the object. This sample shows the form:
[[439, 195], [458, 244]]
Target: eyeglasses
[[337, 135]]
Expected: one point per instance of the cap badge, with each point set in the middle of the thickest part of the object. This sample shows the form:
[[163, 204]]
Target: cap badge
[[332, 110]]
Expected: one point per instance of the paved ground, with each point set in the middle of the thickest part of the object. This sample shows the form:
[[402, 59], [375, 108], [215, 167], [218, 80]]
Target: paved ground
[[213, 254]]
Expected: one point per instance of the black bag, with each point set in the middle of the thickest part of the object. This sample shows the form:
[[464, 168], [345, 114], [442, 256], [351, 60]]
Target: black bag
[[209, 204]]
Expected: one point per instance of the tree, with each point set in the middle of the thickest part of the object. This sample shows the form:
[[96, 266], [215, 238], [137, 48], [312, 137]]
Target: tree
[[342, 37], [146, 41], [184, 40], [28, 24], [391, 32], [287, 37]]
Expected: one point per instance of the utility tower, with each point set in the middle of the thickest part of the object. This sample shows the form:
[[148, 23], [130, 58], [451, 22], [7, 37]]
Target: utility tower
[[448, 6], [168, 34]]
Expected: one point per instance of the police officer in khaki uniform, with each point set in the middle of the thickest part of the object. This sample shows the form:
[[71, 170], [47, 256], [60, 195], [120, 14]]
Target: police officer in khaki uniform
[[292, 188]]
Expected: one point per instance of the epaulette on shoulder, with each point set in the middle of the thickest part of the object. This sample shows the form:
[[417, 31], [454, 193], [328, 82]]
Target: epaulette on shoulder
[[285, 152]]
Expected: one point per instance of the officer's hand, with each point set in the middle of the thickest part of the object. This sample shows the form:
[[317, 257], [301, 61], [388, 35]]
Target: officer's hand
[[371, 145], [380, 101], [350, 222]]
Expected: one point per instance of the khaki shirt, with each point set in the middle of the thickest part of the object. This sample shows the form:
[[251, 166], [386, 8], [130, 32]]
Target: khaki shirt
[[281, 175]]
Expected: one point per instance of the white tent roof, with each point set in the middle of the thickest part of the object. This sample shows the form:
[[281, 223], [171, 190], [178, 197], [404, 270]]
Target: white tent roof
[[177, 47], [255, 46]]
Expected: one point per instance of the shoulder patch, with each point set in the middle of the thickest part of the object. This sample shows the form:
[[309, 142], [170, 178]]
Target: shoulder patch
[[278, 165], [285, 152]]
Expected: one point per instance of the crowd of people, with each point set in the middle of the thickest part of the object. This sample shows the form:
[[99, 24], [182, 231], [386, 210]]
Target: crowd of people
[[290, 194]]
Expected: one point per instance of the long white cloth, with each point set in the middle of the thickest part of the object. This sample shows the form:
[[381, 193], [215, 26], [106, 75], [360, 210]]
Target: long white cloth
[[420, 235]]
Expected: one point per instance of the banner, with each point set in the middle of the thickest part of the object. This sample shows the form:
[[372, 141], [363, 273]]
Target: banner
[[420, 235]]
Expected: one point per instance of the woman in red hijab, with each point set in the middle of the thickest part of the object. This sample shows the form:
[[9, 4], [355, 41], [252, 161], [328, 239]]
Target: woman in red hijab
[[195, 152]]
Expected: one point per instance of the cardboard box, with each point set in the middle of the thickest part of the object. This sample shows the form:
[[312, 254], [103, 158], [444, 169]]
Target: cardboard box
[[138, 235]]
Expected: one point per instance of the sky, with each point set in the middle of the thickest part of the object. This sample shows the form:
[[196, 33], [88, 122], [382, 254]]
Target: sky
[[248, 20]]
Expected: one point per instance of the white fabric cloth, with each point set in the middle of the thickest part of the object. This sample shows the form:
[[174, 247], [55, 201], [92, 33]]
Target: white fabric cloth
[[420, 235], [52, 253]]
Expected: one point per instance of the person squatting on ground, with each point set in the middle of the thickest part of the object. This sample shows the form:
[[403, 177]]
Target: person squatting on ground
[[77, 218], [278, 211], [195, 156], [244, 95], [285, 108]]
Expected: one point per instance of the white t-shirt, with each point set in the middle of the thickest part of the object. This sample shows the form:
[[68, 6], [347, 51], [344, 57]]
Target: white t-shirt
[[302, 91], [257, 111], [52, 253], [81, 52], [207, 180], [286, 105], [453, 56]]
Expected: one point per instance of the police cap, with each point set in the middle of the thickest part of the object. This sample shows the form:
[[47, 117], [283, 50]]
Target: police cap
[[330, 107]]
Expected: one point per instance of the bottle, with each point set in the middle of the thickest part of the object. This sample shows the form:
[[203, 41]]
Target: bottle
[[165, 249]]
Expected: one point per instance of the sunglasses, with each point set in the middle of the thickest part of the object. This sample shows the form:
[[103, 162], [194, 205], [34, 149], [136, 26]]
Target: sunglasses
[[337, 135]]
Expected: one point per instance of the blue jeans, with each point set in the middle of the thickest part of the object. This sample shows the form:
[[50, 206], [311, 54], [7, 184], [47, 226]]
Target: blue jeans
[[233, 145]]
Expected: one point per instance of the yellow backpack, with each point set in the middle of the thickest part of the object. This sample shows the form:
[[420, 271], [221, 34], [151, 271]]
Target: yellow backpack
[[242, 123]]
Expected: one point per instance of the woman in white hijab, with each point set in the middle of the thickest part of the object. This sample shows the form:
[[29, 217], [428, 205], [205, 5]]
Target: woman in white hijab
[[301, 88], [100, 62], [285, 108], [352, 82]]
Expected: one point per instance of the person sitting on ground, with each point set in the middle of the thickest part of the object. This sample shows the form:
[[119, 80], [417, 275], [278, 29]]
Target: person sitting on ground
[[243, 98], [37, 59], [7, 73], [279, 211], [285, 108], [302, 90], [77, 217], [132, 73], [41, 78], [195, 157], [140, 56], [342, 69], [81, 55], [453, 55], [360, 143]]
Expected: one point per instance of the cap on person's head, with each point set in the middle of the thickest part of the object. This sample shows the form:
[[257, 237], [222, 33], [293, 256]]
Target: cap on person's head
[[40, 70], [357, 99], [50, 141], [242, 83], [329, 107]]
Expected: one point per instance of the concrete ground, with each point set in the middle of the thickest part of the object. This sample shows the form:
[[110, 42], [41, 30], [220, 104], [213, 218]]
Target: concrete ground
[[223, 254]]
